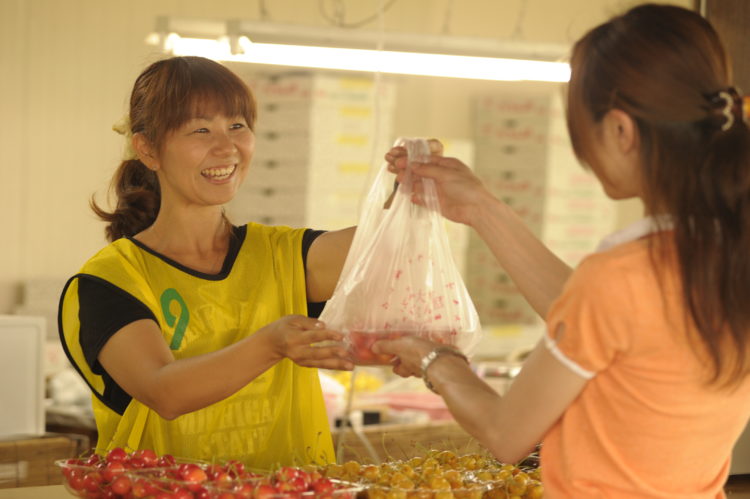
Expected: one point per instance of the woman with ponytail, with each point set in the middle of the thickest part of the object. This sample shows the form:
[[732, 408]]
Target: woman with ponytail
[[640, 386], [194, 334]]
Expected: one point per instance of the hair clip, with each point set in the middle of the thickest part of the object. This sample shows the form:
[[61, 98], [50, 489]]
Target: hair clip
[[727, 110], [122, 126]]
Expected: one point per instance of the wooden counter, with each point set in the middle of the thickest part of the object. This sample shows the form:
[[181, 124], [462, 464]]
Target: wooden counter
[[43, 492], [737, 488]]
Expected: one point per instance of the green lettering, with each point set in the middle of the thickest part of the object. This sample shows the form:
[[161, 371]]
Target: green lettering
[[167, 297]]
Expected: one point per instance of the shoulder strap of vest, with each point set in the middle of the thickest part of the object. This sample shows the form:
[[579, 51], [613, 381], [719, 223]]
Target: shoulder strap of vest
[[116, 264]]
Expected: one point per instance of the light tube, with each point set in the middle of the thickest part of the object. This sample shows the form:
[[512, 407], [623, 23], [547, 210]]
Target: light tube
[[382, 61]]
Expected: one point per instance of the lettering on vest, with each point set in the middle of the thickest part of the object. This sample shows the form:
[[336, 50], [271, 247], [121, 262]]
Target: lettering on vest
[[167, 297], [233, 445], [239, 429]]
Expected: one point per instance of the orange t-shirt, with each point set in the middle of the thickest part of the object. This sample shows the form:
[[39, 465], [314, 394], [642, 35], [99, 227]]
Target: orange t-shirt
[[647, 424]]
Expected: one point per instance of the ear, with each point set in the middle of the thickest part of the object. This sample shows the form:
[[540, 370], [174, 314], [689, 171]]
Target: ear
[[146, 153], [621, 130]]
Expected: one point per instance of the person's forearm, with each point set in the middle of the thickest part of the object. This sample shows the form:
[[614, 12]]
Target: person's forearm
[[539, 274], [479, 409], [193, 383]]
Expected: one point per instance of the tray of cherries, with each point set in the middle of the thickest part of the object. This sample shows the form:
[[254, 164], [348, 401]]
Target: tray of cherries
[[143, 474], [442, 474]]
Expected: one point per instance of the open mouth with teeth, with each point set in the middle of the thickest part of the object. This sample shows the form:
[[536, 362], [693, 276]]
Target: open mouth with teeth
[[220, 173]]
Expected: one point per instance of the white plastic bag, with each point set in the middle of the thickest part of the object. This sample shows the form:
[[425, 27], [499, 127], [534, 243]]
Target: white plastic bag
[[399, 277]]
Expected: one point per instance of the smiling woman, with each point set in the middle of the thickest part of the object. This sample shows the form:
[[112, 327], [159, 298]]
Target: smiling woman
[[185, 319]]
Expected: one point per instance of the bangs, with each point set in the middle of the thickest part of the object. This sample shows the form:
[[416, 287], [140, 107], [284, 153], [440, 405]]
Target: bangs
[[211, 87], [204, 102]]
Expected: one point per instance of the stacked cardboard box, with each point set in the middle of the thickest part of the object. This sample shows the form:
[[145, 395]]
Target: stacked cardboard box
[[26, 462], [317, 139], [524, 156]]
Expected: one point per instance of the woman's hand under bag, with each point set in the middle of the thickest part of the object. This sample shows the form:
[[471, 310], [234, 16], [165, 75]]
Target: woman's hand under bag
[[461, 194], [299, 339], [408, 351]]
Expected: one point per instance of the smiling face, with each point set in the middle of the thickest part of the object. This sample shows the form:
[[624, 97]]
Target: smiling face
[[192, 122], [205, 160]]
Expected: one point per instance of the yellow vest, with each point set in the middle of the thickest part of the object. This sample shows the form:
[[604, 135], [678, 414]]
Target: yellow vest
[[277, 419]]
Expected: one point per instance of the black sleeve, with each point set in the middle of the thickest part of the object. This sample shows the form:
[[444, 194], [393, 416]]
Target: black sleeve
[[104, 309], [314, 308]]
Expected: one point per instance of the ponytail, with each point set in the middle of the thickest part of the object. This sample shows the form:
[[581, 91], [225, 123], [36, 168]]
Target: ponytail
[[138, 198], [713, 243]]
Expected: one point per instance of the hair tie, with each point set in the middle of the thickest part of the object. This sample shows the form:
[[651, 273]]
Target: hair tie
[[123, 128]]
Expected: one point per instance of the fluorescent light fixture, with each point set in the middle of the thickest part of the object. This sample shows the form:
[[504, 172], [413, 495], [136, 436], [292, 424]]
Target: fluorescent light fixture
[[233, 45]]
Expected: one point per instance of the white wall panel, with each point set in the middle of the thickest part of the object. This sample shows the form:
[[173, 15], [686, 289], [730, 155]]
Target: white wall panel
[[66, 68]]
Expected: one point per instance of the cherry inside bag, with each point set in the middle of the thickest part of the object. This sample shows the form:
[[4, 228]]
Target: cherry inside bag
[[399, 277]]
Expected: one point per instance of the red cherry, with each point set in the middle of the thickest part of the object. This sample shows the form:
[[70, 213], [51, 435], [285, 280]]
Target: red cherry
[[75, 480], [182, 493], [121, 485], [92, 481], [202, 493], [193, 474], [214, 470], [112, 470], [166, 461], [265, 491], [117, 454], [235, 468], [299, 483], [286, 473], [244, 491], [323, 486], [139, 489], [147, 456], [139, 463], [222, 477]]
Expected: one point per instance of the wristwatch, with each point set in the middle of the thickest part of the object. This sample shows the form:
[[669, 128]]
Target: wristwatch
[[428, 359]]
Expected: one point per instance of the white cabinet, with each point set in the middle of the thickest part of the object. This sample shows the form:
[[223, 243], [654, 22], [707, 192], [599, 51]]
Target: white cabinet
[[22, 375]]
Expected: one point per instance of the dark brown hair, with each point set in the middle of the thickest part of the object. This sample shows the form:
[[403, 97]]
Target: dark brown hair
[[664, 65], [166, 95]]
